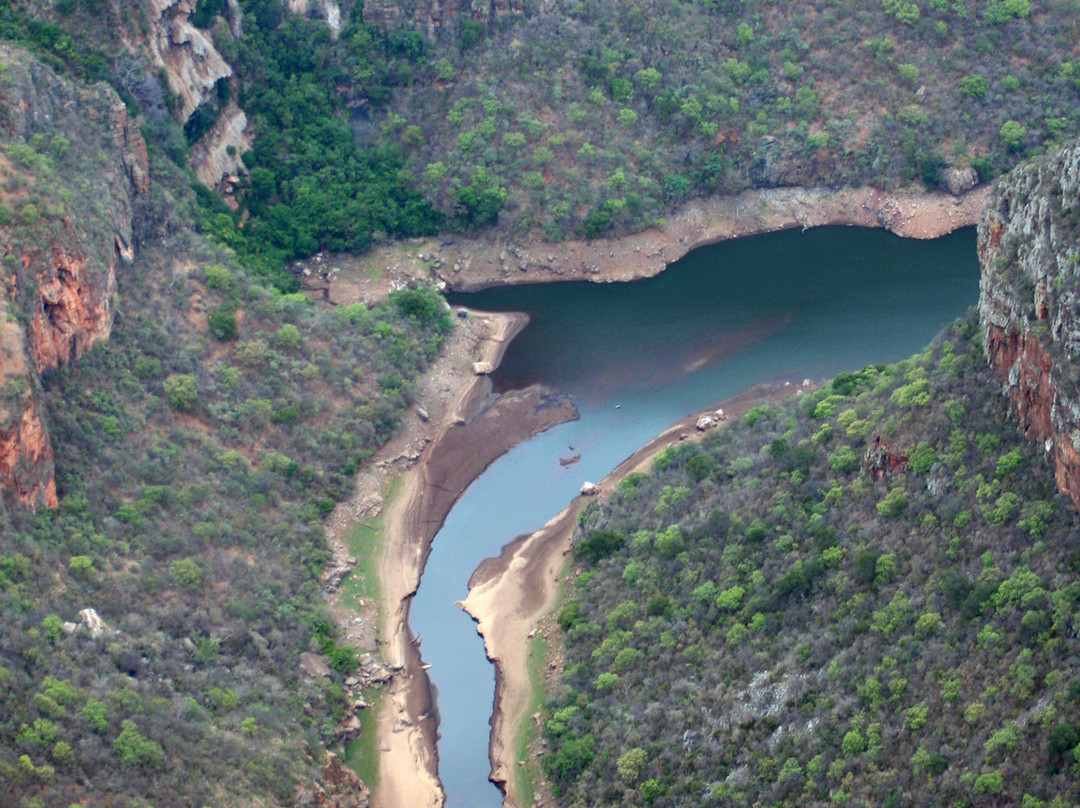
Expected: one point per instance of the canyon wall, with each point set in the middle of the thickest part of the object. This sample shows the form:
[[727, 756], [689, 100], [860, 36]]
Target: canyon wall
[[73, 163], [1029, 304]]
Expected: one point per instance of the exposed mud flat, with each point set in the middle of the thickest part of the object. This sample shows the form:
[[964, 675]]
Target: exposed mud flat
[[466, 429]]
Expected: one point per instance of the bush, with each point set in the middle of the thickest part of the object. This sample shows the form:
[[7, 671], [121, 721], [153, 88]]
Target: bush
[[181, 390], [221, 323]]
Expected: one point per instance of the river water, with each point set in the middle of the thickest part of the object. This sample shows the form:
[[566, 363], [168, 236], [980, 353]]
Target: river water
[[635, 358]]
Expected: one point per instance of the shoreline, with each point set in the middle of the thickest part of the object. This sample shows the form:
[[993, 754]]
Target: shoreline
[[469, 266], [509, 594], [460, 264], [407, 723]]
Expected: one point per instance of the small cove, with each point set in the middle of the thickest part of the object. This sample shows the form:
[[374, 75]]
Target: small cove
[[636, 357]]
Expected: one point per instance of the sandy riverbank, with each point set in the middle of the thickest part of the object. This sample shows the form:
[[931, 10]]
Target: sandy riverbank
[[509, 594], [443, 462]]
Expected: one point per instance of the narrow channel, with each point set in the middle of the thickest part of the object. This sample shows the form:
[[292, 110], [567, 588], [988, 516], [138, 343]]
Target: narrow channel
[[636, 357]]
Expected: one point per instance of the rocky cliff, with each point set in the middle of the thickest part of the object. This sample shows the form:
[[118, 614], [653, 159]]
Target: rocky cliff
[[72, 162], [185, 53], [1029, 306]]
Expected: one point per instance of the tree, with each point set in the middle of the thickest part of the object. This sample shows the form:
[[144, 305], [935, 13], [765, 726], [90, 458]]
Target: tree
[[136, 750], [187, 572], [181, 390], [94, 713], [974, 86], [221, 323], [853, 743], [631, 764], [1013, 133], [288, 336], [1001, 11]]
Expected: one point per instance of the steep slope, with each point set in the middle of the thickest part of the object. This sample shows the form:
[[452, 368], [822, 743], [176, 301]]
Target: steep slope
[[559, 119], [1029, 247], [73, 163], [163, 638], [866, 596]]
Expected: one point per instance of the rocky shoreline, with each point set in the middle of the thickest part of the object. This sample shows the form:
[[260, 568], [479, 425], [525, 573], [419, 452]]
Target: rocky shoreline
[[462, 264], [468, 266], [407, 725]]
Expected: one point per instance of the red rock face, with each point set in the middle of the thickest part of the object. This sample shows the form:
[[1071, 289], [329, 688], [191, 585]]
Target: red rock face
[[72, 312], [1021, 362], [26, 459], [59, 293]]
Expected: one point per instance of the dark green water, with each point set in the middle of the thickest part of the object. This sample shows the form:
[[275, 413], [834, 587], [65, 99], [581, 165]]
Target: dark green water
[[844, 288], [787, 305]]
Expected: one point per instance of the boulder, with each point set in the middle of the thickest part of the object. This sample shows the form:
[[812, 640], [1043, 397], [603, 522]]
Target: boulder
[[705, 422], [92, 622], [312, 665], [590, 489], [482, 368], [960, 180], [349, 729]]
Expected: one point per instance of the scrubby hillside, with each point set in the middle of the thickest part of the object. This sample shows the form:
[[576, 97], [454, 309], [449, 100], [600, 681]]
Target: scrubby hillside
[[335, 125], [866, 596], [197, 452]]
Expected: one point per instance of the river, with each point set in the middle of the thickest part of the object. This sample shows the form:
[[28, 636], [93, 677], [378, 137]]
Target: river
[[636, 357]]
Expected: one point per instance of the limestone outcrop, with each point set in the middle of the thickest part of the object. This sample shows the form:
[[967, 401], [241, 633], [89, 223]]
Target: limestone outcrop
[[1029, 304], [74, 164], [216, 155], [326, 10]]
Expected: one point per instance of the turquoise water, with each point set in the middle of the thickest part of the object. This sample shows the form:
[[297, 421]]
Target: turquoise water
[[637, 357]]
